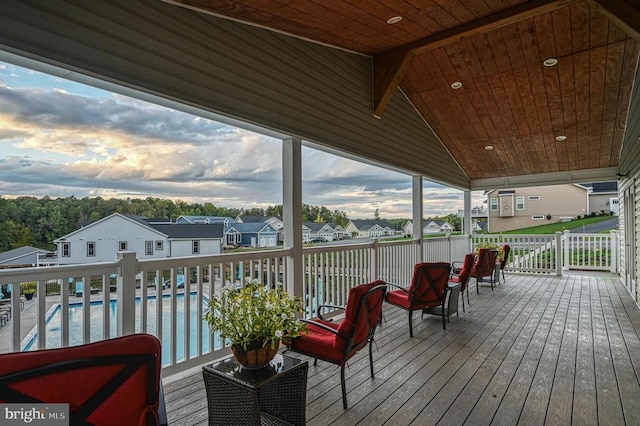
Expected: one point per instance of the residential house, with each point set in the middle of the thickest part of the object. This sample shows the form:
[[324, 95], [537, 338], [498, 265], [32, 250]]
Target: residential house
[[436, 227], [251, 234], [27, 256], [531, 206], [603, 197], [149, 238], [275, 222], [328, 231], [407, 228], [369, 228]]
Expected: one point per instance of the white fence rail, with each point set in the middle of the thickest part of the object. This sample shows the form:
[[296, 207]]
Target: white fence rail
[[168, 297]]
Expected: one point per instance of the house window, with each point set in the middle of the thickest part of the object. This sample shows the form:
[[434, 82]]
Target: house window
[[537, 217], [519, 203], [91, 248], [123, 245], [148, 247], [195, 247], [66, 249], [159, 245], [534, 197], [494, 204]]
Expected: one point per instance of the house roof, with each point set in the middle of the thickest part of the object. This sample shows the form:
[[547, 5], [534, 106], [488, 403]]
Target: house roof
[[251, 227], [10, 255], [316, 226], [190, 231], [248, 219], [370, 223], [205, 219], [600, 187]]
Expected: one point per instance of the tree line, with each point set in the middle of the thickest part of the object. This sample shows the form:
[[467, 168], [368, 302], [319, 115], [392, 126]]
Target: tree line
[[32, 221]]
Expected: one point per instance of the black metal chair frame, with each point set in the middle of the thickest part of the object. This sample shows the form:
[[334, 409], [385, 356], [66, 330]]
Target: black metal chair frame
[[131, 364], [351, 347], [432, 287]]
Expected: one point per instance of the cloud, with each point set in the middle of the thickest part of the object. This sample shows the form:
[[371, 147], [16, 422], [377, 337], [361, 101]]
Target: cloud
[[59, 138]]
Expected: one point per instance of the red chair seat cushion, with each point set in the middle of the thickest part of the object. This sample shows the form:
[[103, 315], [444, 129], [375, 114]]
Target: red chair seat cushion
[[398, 298], [321, 342], [401, 299]]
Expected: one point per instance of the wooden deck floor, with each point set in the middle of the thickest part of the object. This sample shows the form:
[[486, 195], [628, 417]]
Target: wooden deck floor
[[536, 350]]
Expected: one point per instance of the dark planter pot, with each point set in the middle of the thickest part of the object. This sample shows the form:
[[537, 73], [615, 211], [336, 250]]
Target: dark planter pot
[[255, 356], [28, 296]]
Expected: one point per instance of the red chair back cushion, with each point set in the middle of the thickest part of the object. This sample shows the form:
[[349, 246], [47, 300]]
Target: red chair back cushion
[[359, 321], [485, 263], [506, 248], [465, 272], [127, 404], [428, 284]]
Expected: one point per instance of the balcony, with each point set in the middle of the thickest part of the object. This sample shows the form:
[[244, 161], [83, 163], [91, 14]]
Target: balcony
[[540, 344], [538, 349]]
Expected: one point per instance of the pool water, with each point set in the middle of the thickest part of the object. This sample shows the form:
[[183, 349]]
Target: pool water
[[54, 335]]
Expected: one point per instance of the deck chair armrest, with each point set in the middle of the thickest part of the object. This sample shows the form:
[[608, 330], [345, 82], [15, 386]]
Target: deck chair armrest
[[324, 327], [328, 306], [398, 287]]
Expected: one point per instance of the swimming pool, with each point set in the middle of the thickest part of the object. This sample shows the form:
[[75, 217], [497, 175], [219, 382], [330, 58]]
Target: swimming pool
[[54, 336]]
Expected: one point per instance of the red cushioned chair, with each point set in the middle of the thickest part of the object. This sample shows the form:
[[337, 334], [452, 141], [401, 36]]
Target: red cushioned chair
[[428, 289], [506, 249], [463, 276], [484, 267], [338, 342], [111, 382]]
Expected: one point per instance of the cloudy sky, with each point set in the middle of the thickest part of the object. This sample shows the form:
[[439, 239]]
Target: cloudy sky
[[60, 138]]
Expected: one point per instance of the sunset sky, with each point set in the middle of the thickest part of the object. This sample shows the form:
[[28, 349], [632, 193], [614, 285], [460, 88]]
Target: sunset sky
[[60, 138]]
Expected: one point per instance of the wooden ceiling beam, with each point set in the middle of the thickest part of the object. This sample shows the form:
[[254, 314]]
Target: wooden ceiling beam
[[621, 14], [389, 67]]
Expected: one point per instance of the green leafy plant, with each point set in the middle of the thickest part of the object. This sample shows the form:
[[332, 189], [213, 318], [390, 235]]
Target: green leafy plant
[[490, 246], [255, 313]]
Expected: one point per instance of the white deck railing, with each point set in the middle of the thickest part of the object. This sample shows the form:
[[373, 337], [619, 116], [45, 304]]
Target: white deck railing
[[131, 289]]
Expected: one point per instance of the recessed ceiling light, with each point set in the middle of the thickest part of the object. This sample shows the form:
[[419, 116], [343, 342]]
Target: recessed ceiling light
[[550, 62], [561, 138], [394, 20], [456, 85], [489, 147]]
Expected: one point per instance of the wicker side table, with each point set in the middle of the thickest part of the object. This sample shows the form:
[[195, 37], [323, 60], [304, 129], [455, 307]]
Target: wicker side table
[[272, 395]]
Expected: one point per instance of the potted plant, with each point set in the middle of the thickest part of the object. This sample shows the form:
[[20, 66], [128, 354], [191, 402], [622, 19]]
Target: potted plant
[[254, 318], [490, 246], [28, 290]]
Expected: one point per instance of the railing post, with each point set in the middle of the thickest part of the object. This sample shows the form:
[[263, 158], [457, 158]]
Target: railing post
[[559, 253], [614, 251], [566, 238], [374, 273], [126, 294]]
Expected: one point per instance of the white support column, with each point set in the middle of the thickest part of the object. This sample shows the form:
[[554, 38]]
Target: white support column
[[292, 213], [614, 251], [125, 294], [467, 213], [559, 253], [566, 243], [418, 209]]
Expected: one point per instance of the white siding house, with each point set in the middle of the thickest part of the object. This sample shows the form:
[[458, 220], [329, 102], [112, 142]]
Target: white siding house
[[101, 240]]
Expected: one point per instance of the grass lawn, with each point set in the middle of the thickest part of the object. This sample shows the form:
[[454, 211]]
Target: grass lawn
[[552, 228]]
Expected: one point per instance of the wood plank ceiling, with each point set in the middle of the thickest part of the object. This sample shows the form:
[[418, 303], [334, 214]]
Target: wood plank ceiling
[[513, 115]]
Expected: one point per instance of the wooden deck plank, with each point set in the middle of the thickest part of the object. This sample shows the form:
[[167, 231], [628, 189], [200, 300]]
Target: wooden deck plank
[[608, 395], [538, 349], [535, 406], [585, 406]]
